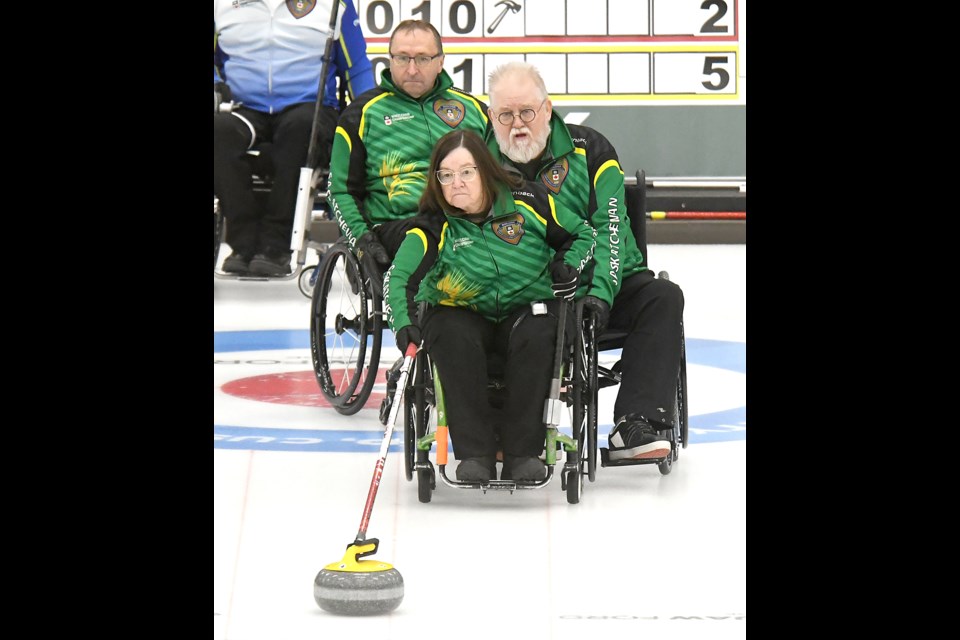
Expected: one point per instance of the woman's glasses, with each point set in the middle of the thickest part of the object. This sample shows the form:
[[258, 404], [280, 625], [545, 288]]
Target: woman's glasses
[[445, 176]]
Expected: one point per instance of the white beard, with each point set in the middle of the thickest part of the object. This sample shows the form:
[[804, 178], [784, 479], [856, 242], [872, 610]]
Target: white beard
[[524, 151]]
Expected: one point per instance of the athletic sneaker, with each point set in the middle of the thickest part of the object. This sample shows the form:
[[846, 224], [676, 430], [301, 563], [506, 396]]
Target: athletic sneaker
[[634, 438], [264, 265], [236, 263], [481, 469], [529, 468]]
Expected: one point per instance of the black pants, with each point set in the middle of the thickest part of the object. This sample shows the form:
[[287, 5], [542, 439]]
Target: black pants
[[458, 340], [250, 228], [651, 311]]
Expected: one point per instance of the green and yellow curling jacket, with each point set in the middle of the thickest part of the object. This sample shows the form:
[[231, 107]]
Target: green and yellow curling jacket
[[581, 169], [381, 150], [492, 268]]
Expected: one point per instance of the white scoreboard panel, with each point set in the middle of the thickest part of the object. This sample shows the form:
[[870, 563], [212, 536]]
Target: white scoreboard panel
[[602, 52]]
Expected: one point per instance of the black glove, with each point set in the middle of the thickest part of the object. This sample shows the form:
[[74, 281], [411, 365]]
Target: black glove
[[370, 244], [565, 280], [374, 259], [391, 233], [406, 335], [226, 95], [602, 311]]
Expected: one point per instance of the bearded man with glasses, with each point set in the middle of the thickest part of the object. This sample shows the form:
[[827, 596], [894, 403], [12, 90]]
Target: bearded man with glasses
[[581, 169], [381, 151]]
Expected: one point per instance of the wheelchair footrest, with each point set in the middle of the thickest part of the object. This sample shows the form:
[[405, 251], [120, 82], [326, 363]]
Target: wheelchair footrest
[[496, 485], [605, 460]]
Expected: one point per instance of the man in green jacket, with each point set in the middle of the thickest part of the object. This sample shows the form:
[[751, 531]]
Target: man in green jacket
[[581, 168], [383, 142]]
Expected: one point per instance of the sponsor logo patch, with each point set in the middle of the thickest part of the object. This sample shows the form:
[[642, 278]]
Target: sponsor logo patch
[[554, 176], [300, 8], [509, 229], [450, 111]]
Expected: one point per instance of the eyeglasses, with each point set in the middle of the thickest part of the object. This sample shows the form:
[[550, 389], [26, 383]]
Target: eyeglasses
[[526, 115], [420, 61], [467, 174]]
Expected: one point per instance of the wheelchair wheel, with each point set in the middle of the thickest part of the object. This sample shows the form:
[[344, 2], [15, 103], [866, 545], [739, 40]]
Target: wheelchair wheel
[[574, 484], [415, 413], [678, 435], [307, 279], [585, 395], [217, 229], [346, 324], [426, 483], [418, 403], [682, 408], [666, 465]]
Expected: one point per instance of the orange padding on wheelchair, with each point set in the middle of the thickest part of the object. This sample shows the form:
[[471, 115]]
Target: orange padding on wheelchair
[[441, 444]]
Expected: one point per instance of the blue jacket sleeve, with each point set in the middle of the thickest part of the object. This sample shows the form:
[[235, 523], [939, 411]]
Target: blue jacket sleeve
[[350, 60], [218, 75]]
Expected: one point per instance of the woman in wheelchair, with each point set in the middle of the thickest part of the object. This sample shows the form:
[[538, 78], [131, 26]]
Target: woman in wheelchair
[[487, 252]]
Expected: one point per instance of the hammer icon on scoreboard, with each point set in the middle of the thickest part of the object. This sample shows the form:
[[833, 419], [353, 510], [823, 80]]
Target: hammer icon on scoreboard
[[510, 6]]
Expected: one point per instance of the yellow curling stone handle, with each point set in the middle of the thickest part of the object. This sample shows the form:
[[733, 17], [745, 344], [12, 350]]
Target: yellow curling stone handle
[[351, 563]]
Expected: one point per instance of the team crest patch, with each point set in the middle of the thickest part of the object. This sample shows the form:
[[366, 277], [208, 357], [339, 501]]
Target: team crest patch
[[554, 176], [511, 229], [300, 8], [450, 111]]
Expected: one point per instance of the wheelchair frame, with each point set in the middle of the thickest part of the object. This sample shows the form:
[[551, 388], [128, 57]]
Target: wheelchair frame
[[582, 377], [424, 391]]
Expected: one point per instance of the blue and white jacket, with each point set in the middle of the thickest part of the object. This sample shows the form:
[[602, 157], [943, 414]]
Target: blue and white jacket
[[270, 52]]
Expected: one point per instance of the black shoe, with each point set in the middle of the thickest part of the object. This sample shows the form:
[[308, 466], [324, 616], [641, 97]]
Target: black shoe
[[477, 469], [523, 468], [634, 438], [264, 265], [236, 263]]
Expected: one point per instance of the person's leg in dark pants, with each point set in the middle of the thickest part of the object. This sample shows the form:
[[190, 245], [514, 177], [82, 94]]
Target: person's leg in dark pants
[[291, 140], [232, 184], [651, 310], [530, 345], [458, 341]]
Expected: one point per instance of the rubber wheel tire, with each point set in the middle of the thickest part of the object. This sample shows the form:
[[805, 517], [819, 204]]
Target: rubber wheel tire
[[352, 322], [425, 484], [574, 482], [303, 282]]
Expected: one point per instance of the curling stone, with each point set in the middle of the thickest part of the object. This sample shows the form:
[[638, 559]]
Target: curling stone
[[355, 587]]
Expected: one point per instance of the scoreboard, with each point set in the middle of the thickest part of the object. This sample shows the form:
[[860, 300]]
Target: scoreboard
[[589, 52]]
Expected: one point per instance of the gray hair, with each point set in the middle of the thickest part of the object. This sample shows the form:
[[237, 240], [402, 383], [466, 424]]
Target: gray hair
[[516, 68]]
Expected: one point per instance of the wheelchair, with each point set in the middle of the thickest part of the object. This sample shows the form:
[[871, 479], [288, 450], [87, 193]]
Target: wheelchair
[[581, 376], [346, 329], [317, 209], [425, 424]]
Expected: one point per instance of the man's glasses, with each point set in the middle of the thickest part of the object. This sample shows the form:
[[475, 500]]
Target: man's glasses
[[526, 115], [445, 176], [420, 61]]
